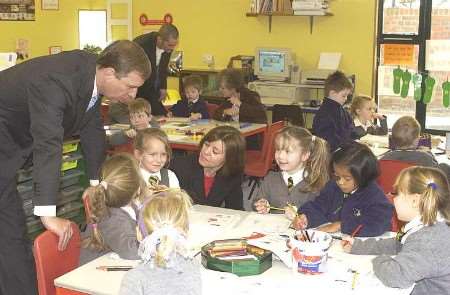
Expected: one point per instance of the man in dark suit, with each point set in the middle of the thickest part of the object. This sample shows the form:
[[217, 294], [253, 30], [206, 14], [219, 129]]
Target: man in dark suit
[[43, 101], [158, 47]]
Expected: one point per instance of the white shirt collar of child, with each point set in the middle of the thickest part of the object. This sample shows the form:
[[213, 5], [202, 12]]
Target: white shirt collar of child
[[297, 177], [146, 175], [358, 123], [415, 225], [130, 211]]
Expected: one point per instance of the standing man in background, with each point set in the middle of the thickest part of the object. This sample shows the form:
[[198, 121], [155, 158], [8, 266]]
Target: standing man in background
[[158, 46], [42, 102]]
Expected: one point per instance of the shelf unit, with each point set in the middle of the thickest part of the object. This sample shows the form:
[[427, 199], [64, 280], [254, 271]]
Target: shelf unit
[[73, 182], [270, 14]]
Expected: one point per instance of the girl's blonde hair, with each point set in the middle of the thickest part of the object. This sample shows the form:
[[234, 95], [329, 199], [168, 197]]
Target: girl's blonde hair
[[143, 136], [358, 102], [316, 166], [120, 183], [432, 186], [168, 208]]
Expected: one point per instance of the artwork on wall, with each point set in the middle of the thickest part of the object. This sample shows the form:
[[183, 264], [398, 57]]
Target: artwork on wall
[[17, 10], [50, 5]]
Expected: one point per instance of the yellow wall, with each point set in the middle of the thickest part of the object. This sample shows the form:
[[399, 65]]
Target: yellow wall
[[221, 28], [50, 28]]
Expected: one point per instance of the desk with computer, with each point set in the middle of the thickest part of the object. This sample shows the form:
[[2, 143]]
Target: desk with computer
[[281, 80]]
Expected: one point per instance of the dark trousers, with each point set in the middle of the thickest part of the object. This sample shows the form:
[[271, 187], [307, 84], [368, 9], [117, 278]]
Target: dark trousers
[[158, 108], [17, 269]]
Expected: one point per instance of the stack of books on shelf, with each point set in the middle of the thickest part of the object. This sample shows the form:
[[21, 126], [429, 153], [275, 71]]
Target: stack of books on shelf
[[310, 7], [270, 6]]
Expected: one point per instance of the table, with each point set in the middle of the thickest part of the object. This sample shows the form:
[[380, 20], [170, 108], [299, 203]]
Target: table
[[186, 135], [337, 280]]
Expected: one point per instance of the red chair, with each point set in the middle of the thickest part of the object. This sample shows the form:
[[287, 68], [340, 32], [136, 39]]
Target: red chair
[[52, 263], [212, 107], [258, 163], [389, 170]]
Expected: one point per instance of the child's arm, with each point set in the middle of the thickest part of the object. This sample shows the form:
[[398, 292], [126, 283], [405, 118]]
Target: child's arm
[[413, 263], [324, 208], [203, 110], [195, 116], [119, 234], [373, 246]]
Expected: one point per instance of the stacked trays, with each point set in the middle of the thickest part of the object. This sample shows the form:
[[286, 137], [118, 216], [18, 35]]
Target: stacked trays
[[72, 184]]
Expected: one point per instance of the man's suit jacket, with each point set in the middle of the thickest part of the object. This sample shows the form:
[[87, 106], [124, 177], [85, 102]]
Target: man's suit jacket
[[43, 101], [225, 189], [148, 90]]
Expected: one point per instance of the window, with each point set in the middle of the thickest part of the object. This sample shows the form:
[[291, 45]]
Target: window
[[419, 27], [92, 28]]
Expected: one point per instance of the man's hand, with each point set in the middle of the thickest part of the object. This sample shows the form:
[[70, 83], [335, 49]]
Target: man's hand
[[162, 94], [59, 226]]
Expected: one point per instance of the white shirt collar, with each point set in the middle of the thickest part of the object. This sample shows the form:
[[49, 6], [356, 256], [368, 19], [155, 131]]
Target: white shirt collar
[[130, 211], [95, 91], [297, 177], [146, 175], [415, 225], [194, 101], [159, 52], [357, 123]]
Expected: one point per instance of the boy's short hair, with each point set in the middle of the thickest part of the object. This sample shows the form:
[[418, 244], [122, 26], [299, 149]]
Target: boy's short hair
[[337, 81], [139, 105], [357, 103], [194, 81], [360, 162], [405, 132]]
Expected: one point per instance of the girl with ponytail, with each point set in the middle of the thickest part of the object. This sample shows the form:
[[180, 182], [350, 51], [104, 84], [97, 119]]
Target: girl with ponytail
[[166, 267], [303, 160], [112, 213], [422, 259]]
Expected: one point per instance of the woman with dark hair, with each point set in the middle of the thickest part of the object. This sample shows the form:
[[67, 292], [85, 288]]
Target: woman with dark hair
[[242, 104], [214, 175]]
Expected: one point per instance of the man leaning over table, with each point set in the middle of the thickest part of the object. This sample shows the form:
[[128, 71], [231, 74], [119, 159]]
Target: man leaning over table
[[42, 102]]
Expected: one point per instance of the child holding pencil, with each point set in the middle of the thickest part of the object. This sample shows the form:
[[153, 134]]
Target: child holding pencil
[[352, 200], [421, 249], [166, 267], [303, 162]]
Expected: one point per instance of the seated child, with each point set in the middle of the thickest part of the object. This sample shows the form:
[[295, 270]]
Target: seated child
[[363, 113], [111, 211], [153, 152], [166, 267], [140, 116], [352, 199], [332, 122], [192, 105], [303, 162], [419, 254]]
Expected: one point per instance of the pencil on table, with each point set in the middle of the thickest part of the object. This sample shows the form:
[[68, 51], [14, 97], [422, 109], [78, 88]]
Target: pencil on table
[[355, 278], [115, 267]]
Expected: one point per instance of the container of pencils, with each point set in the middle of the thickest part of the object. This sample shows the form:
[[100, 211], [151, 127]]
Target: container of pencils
[[236, 256], [310, 251]]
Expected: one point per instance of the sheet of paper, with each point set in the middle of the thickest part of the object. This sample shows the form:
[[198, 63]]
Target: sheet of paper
[[276, 244], [264, 223], [329, 60]]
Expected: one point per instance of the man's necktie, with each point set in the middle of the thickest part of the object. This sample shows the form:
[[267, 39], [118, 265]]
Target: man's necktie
[[290, 184], [92, 102]]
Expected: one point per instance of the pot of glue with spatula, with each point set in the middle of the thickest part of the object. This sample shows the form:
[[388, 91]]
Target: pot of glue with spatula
[[310, 251]]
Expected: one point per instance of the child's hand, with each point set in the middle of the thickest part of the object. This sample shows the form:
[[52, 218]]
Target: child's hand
[[169, 114], [195, 116], [331, 227], [231, 111], [262, 206], [290, 212], [235, 101], [300, 222], [131, 133], [347, 244], [377, 116]]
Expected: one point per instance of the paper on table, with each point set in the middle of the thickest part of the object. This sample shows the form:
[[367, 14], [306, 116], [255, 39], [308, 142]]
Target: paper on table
[[276, 244], [264, 223]]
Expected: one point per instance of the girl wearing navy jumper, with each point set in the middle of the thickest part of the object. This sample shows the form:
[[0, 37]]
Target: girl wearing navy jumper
[[353, 199], [214, 176], [303, 162]]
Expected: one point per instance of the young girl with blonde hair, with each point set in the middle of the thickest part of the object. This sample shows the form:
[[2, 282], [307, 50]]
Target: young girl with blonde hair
[[421, 251], [112, 214], [303, 162], [166, 267]]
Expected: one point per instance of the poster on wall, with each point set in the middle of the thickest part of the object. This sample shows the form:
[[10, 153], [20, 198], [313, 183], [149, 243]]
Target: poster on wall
[[17, 10]]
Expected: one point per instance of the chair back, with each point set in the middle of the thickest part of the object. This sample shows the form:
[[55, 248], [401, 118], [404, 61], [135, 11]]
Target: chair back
[[289, 113], [52, 263], [389, 170], [269, 143], [212, 107]]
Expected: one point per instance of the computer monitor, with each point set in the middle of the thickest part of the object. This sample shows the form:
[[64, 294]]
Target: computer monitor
[[273, 64]]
